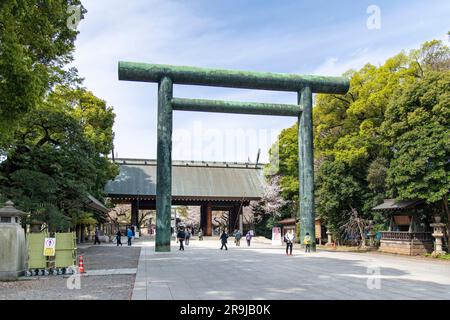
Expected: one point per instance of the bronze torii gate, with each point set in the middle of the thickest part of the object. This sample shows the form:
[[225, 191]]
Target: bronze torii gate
[[166, 76]]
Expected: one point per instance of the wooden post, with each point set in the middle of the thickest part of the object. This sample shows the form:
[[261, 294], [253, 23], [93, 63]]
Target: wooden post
[[208, 231], [134, 213]]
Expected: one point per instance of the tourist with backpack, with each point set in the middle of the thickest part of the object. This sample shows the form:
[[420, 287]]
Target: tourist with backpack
[[237, 238], [307, 242]]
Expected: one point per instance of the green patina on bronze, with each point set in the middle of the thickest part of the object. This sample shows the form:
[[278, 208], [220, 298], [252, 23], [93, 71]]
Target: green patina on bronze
[[306, 167], [204, 105], [167, 75], [164, 167], [145, 72]]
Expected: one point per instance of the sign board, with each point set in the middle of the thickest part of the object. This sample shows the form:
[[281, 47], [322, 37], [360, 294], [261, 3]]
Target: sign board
[[276, 236], [49, 246]]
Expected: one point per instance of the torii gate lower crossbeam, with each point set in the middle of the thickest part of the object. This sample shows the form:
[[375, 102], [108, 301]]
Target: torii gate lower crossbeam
[[166, 76]]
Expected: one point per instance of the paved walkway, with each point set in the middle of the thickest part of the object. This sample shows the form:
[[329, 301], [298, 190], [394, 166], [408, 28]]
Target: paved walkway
[[262, 271]]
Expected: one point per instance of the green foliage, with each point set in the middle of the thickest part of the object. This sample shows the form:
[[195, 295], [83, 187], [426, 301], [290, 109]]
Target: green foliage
[[55, 136], [376, 175], [388, 136], [35, 45], [417, 131], [53, 159]]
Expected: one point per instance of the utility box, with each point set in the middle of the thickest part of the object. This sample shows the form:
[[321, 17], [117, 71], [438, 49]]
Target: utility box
[[13, 248]]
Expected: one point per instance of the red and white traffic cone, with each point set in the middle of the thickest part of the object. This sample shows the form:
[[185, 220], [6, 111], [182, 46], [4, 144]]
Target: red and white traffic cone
[[81, 265]]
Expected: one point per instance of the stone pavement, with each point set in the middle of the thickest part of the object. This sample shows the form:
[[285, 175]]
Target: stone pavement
[[263, 271]]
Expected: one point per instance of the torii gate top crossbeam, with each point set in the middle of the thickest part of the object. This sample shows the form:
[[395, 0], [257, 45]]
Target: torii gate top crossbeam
[[145, 72]]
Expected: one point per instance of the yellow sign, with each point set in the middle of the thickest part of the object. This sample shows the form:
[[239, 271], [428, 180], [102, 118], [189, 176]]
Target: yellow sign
[[49, 246]]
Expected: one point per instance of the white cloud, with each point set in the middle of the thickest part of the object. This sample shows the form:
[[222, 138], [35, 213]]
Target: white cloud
[[173, 32]]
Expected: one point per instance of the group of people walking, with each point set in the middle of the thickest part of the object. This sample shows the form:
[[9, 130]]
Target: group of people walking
[[237, 238], [183, 237], [118, 237], [130, 235]]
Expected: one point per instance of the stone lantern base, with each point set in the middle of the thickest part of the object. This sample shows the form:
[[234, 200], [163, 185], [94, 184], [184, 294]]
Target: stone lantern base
[[13, 252]]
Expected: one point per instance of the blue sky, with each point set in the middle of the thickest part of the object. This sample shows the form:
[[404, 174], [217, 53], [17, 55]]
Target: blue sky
[[305, 37]]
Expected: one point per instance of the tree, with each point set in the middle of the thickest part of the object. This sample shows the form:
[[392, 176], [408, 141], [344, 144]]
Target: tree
[[352, 161], [417, 132], [356, 226], [271, 208], [52, 164], [35, 45]]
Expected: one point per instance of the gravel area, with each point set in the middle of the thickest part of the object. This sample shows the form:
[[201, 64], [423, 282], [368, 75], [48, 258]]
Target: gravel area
[[92, 287], [117, 287]]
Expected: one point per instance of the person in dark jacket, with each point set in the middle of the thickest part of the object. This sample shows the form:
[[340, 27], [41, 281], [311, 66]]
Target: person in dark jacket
[[96, 236], [181, 236], [224, 238], [119, 238], [188, 236]]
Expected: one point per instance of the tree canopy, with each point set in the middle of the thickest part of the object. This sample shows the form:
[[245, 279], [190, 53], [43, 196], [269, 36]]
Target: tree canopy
[[35, 46], [387, 137], [55, 135]]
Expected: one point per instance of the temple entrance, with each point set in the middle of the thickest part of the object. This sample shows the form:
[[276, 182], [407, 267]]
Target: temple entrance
[[166, 76], [195, 183]]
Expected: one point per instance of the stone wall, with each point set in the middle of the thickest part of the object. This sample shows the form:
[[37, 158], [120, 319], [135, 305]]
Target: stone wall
[[411, 248]]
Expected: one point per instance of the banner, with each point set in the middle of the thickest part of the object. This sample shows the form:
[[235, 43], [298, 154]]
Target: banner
[[276, 236]]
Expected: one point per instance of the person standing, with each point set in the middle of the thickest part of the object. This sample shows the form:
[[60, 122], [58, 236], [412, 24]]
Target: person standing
[[181, 236], [248, 237], [224, 238], [289, 238], [188, 236], [237, 237], [200, 234], [119, 238], [307, 242], [96, 236], [129, 235]]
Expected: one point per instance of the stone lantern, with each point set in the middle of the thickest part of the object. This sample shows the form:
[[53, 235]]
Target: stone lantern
[[13, 249], [438, 234], [329, 240], [371, 235]]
